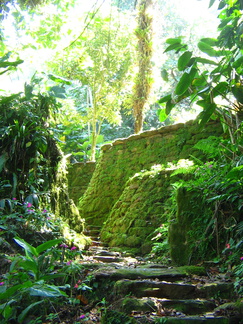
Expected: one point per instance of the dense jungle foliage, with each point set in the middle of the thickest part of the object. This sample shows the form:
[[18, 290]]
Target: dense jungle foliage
[[46, 277]]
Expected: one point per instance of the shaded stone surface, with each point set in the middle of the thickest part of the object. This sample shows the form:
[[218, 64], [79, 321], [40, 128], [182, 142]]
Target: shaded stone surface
[[149, 288], [189, 307], [142, 273]]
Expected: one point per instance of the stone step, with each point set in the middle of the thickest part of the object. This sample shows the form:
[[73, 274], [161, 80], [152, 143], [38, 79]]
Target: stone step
[[165, 274], [188, 306], [107, 259], [152, 288], [172, 290], [200, 319], [129, 305]]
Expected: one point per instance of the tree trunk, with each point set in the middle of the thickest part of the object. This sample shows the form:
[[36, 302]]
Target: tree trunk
[[143, 79]]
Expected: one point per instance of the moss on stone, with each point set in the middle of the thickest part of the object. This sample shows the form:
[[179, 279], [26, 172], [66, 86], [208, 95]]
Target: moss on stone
[[193, 270], [129, 198]]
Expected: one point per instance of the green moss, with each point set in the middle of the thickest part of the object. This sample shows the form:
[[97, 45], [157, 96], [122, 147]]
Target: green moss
[[132, 198], [192, 270], [139, 305]]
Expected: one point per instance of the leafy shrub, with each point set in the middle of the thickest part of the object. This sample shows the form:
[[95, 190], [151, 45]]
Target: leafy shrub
[[30, 281]]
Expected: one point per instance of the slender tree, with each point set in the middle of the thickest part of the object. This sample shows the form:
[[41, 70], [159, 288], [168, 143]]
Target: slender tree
[[143, 79]]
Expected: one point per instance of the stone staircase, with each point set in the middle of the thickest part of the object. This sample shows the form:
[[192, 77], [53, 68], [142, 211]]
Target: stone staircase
[[146, 292]]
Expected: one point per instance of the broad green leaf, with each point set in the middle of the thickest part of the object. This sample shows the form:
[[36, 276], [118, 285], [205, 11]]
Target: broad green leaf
[[238, 63], [173, 40], [185, 81], [169, 105], [23, 314], [162, 114], [11, 291], [7, 64], [29, 265], [164, 99], [211, 3], [183, 84], [184, 60], [3, 306], [29, 249], [222, 4], [47, 245], [7, 312], [220, 89], [206, 48], [177, 47], [59, 79], [209, 41], [46, 291], [28, 144], [205, 61], [208, 109], [201, 81]]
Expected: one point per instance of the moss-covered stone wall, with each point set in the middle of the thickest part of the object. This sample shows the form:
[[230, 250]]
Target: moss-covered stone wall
[[141, 208], [123, 158], [79, 175]]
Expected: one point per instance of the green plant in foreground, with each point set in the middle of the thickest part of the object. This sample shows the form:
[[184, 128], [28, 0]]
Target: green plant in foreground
[[29, 282]]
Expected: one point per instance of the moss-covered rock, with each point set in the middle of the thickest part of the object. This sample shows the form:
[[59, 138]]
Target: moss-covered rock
[[71, 224], [187, 234], [79, 175], [139, 211], [123, 158]]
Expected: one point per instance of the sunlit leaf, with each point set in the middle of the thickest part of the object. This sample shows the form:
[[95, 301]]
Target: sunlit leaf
[[59, 79], [173, 40], [206, 48], [177, 47], [222, 4], [185, 82], [27, 247], [184, 60], [209, 41], [164, 99], [205, 61], [211, 3], [47, 245], [169, 106], [162, 114]]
